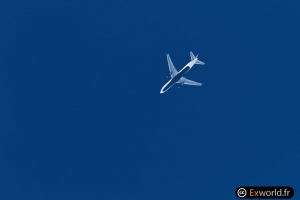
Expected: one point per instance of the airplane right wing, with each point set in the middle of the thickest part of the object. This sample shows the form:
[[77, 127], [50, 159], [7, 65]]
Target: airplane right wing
[[189, 82], [172, 69]]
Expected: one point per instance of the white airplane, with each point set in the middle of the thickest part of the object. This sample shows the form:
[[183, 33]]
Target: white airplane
[[177, 77]]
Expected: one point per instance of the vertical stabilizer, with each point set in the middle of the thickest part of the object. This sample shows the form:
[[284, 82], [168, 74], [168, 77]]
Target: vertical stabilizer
[[198, 62]]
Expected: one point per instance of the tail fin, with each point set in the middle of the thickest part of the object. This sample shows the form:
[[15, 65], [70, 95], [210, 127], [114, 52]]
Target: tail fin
[[198, 62]]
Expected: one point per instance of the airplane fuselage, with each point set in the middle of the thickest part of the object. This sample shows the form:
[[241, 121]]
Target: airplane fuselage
[[178, 76]]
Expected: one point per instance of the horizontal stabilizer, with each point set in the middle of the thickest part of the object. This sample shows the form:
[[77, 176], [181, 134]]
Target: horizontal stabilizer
[[198, 62], [192, 56]]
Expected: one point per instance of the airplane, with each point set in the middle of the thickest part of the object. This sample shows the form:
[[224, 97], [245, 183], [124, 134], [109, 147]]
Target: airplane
[[177, 77]]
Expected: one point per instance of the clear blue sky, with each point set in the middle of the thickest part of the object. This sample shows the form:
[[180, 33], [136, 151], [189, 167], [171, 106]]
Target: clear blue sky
[[82, 116]]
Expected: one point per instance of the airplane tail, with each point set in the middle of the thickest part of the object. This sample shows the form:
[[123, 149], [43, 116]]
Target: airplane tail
[[198, 62]]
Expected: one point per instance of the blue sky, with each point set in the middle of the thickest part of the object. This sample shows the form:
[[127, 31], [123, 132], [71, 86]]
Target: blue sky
[[82, 116]]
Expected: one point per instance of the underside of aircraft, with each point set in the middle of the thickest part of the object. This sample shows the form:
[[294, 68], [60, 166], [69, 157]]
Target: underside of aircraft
[[177, 77]]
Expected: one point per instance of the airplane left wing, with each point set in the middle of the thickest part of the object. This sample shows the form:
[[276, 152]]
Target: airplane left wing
[[172, 69], [189, 82]]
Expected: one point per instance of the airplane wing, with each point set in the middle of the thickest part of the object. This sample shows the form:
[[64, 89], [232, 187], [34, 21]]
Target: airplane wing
[[172, 69], [189, 82]]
